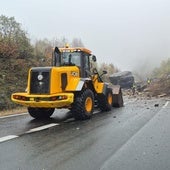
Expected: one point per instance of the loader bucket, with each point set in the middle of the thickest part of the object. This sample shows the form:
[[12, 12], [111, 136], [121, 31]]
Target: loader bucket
[[117, 96]]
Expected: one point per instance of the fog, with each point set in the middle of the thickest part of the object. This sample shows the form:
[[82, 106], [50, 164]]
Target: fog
[[131, 34]]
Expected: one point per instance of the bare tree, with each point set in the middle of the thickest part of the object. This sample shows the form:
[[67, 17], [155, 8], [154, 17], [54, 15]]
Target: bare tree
[[77, 43]]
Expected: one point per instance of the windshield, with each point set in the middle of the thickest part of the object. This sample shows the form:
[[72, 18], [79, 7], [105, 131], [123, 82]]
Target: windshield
[[71, 58]]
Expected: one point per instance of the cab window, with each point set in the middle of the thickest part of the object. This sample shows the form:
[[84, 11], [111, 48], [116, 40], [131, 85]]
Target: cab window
[[71, 58]]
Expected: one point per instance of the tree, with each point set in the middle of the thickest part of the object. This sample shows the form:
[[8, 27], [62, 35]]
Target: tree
[[77, 43], [110, 68], [43, 51], [14, 42], [16, 58], [163, 70]]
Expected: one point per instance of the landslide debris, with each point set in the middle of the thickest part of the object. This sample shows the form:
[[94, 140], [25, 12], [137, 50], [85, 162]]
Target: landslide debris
[[159, 87]]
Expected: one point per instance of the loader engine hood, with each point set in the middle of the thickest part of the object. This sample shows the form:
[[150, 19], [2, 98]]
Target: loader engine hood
[[51, 80]]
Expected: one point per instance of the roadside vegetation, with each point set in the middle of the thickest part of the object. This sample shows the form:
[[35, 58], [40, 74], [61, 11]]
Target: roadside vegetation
[[161, 79], [163, 71]]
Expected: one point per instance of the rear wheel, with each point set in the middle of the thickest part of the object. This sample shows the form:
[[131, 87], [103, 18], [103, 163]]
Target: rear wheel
[[83, 105], [105, 101], [40, 113]]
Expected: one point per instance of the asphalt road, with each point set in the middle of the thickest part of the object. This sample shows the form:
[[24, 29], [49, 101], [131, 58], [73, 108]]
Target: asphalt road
[[134, 137]]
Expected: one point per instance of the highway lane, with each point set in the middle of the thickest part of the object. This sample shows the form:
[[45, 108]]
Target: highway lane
[[70, 144], [22, 123], [148, 149]]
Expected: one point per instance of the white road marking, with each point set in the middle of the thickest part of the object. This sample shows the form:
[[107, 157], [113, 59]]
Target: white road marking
[[19, 114], [42, 127], [165, 105], [9, 137], [96, 112]]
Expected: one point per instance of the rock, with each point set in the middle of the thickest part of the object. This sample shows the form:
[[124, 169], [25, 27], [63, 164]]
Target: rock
[[162, 95], [125, 79], [156, 105]]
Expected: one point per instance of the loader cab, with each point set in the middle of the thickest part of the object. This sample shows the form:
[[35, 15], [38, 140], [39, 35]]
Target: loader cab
[[80, 57]]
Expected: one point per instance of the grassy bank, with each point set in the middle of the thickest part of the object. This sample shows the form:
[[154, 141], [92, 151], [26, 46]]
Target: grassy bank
[[18, 110]]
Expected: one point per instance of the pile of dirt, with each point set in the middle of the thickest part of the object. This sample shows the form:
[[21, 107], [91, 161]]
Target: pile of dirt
[[159, 87]]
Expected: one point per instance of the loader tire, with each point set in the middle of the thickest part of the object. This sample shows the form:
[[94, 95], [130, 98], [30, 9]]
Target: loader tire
[[40, 113], [83, 105], [105, 101]]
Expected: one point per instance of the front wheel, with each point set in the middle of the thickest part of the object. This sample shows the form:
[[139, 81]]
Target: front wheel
[[83, 105], [40, 113]]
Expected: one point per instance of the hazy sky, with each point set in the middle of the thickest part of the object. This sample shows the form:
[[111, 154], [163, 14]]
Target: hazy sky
[[131, 34]]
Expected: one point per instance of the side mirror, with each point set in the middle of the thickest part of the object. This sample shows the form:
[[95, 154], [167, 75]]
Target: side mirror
[[104, 72], [94, 58]]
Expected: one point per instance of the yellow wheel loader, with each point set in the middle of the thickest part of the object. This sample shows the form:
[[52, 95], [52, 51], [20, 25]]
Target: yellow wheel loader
[[71, 82]]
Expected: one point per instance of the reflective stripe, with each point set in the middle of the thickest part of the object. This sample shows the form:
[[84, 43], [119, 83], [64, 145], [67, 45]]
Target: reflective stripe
[[80, 85]]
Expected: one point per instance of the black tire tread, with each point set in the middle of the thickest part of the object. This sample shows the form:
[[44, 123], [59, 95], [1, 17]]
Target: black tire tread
[[40, 113], [78, 107]]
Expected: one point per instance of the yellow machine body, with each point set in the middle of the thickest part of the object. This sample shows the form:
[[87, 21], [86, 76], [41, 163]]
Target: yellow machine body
[[63, 83]]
